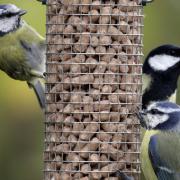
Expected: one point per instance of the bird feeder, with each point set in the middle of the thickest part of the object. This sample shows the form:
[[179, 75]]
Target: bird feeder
[[93, 89]]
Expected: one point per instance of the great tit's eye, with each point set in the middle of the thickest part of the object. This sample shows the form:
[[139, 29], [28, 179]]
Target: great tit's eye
[[172, 52]]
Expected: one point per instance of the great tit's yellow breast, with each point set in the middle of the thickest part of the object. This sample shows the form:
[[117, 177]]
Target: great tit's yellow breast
[[147, 80], [172, 98], [146, 165]]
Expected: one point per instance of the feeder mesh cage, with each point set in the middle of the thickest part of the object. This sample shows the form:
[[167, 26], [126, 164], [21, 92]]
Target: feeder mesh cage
[[93, 89]]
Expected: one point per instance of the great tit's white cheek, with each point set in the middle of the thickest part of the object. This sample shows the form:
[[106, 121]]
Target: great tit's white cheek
[[162, 62]]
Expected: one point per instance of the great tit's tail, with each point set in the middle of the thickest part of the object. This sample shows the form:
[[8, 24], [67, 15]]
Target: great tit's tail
[[122, 175], [38, 84]]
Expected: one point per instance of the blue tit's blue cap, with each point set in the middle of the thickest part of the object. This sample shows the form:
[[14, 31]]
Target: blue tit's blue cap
[[167, 104], [10, 9]]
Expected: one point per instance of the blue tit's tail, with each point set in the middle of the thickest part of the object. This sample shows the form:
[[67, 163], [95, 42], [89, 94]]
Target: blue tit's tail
[[38, 84], [122, 175]]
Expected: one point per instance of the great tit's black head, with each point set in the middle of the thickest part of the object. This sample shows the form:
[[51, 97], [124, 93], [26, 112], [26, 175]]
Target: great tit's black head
[[162, 59], [162, 67], [162, 115], [10, 17]]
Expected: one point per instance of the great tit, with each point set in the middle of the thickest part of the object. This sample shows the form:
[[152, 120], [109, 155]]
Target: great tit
[[161, 70], [22, 50], [162, 120]]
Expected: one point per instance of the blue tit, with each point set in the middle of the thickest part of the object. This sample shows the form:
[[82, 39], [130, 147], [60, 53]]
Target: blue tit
[[22, 50], [161, 70], [160, 156]]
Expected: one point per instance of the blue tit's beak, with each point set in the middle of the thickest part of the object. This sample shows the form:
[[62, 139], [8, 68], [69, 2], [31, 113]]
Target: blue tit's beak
[[140, 115], [22, 12]]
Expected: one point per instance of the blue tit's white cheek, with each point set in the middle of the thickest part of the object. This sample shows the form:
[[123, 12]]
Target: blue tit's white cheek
[[8, 24], [162, 62], [154, 120]]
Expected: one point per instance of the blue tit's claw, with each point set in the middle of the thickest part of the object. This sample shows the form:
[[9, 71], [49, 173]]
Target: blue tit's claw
[[123, 176]]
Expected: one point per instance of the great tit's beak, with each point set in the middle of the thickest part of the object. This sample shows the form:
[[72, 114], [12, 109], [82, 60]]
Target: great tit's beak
[[22, 12]]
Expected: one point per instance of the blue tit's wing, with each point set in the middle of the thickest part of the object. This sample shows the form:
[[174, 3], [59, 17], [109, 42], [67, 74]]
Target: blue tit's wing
[[35, 55], [164, 153]]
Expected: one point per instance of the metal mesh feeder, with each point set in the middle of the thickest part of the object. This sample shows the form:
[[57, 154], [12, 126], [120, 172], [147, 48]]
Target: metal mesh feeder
[[93, 89]]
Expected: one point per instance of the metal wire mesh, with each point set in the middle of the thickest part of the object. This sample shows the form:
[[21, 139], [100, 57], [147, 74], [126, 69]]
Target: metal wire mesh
[[94, 48]]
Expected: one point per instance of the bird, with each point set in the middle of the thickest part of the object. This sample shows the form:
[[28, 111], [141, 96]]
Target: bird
[[162, 120], [161, 70], [22, 50]]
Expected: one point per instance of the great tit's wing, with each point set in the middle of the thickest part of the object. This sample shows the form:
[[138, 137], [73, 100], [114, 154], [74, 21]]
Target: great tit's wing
[[164, 154]]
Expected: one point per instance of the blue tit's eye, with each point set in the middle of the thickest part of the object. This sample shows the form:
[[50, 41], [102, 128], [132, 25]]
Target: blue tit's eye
[[9, 15], [154, 111]]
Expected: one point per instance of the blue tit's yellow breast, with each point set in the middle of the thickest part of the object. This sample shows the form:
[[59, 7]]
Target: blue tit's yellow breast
[[145, 161], [11, 53], [13, 59]]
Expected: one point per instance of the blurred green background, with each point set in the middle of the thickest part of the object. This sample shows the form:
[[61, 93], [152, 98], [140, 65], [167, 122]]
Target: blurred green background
[[21, 119]]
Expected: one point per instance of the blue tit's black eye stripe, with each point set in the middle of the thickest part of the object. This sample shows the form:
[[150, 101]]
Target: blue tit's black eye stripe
[[155, 111], [9, 15]]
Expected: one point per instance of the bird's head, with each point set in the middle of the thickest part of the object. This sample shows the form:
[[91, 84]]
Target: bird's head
[[163, 60], [161, 70], [162, 115], [10, 18]]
